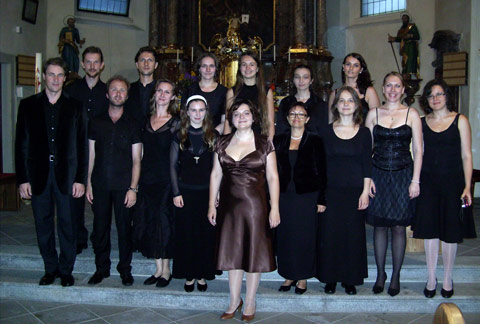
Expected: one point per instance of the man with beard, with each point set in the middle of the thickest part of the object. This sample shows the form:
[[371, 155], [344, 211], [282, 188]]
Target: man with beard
[[51, 167], [408, 37], [91, 92], [113, 173], [138, 104]]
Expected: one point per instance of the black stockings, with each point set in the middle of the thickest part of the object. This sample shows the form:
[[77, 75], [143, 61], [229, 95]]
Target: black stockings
[[380, 242]]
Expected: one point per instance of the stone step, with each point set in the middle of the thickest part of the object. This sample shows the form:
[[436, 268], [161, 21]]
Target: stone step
[[24, 285], [466, 269]]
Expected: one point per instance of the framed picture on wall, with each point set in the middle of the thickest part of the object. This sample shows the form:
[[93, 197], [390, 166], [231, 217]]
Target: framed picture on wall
[[29, 13]]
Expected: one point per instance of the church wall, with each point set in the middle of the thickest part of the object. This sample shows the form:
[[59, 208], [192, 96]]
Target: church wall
[[118, 37]]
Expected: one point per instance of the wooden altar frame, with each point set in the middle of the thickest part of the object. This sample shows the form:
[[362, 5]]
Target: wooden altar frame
[[265, 40]]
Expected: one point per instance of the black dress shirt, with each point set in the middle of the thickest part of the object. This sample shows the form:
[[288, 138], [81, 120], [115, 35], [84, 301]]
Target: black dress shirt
[[113, 150], [138, 103], [51, 120], [94, 100]]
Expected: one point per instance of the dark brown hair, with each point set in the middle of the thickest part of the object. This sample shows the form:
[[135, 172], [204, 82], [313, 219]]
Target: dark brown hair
[[118, 77], [253, 109], [58, 61], [92, 50], [198, 64], [364, 80], [357, 115], [146, 49], [172, 107], [208, 130], [427, 91]]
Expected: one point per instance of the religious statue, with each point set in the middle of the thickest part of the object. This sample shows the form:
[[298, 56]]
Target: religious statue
[[67, 45], [408, 37]]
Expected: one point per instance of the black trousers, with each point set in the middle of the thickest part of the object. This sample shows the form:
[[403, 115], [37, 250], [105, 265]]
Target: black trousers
[[103, 200], [43, 206], [79, 214]]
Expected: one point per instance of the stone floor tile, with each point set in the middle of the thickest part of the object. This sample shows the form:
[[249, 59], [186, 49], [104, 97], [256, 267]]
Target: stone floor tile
[[323, 318], [284, 318], [66, 314], [471, 318], [358, 318], [178, 314], [23, 319], [397, 318], [137, 316], [107, 310], [209, 318], [424, 319], [9, 308], [95, 321], [37, 306]]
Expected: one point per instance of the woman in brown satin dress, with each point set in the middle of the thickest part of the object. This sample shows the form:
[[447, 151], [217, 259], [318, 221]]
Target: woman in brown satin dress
[[242, 162]]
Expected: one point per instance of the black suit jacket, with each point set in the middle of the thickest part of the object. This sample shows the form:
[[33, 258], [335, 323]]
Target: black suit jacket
[[309, 171], [31, 144]]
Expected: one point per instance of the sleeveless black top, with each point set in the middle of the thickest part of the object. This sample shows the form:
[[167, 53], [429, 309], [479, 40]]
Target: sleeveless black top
[[391, 146]]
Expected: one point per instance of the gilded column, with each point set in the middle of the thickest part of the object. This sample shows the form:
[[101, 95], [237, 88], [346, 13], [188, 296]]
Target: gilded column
[[299, 26], [172, 23], [321, 23], [153, 37]]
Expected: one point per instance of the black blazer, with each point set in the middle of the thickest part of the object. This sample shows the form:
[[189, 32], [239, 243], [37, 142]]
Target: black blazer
[[309, 171], [31, 144]]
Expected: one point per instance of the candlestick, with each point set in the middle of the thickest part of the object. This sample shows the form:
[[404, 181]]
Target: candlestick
[[208, 49], [260, 51], [274, 53], [192, 55], [289, 54], [178, 56]]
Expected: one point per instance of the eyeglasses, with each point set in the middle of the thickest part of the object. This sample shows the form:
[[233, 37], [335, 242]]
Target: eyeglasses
[[435, 96], [299, 115]]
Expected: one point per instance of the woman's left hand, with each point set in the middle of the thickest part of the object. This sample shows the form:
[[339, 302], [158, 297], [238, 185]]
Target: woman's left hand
[[414, 190], [274, 218], [363, 201], [321, 208], [466, 194]]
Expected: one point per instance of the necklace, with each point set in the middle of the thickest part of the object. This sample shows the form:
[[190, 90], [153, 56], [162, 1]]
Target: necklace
[[296, 138], [243, 138]]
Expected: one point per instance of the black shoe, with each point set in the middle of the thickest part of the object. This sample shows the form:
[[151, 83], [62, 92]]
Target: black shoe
[[201, 287], [81, 247], [377, 289], [189, 288], [447, 293], [430, 293], [287, 288], [151, 280], [97, 277], [300, 291], [162, 282], [48, 278], [330, 288], [349, 289], [67, 280], [393, 291], [127, 279]]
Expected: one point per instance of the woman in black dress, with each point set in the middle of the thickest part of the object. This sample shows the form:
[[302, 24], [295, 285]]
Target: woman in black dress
[[395, 177], [208, 68], [301, 169], [250, 85], [154, 222], [244, 164], [342, 243], [191, 157], [317, 108], [355, 74], [445, 181]]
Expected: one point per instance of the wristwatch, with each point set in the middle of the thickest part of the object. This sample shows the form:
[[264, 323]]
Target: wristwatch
[[135, 190]]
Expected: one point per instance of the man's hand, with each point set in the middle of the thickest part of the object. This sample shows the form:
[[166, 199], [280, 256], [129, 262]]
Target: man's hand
[[78, 190], [25, 190]]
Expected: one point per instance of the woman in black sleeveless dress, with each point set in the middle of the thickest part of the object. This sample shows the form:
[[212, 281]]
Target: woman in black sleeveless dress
[[355, 74], [153, 221], [191, 156], [445, 181], [250, 85], [317, 108], [395, 177]]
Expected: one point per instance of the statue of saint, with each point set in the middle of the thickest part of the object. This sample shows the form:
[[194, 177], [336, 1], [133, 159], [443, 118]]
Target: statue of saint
[[67, 45], [408, 37]]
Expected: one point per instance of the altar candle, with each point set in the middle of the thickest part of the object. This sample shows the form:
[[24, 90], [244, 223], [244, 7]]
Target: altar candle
[[192, 55], [289, 54], [274, 53], [208, 49], [178, 55], [260, 51], [38, 73]]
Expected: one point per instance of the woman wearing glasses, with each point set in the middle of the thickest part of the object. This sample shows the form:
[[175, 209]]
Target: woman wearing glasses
[[303, 92], [445, 182], [301, 169], [342, 244]]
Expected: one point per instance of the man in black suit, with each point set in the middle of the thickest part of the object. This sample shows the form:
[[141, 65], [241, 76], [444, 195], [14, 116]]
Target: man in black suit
[[138, 103], [113, 173], [51, 166], [91, 92]]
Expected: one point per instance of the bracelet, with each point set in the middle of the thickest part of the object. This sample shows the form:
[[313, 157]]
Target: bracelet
[[135, 190], [414, 181]]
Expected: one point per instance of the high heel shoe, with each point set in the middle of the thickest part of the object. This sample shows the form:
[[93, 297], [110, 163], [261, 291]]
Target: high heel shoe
[[248, 318], [287, 287], [202, 287], [300, 291], [430, 293], [447, 293], [330, 288], [393, 291], [226, 316], [377, 289], [189, 288], [162, 282], [349, 289]]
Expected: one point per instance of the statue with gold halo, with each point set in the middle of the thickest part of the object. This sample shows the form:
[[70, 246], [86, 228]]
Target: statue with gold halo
[[67, 45]]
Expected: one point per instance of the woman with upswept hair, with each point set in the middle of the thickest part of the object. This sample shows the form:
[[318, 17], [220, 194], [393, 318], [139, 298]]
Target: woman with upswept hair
[[191, 158], [250, 85]]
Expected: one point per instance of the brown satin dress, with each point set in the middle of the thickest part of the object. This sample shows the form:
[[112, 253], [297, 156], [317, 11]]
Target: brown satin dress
[[244, 235]]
